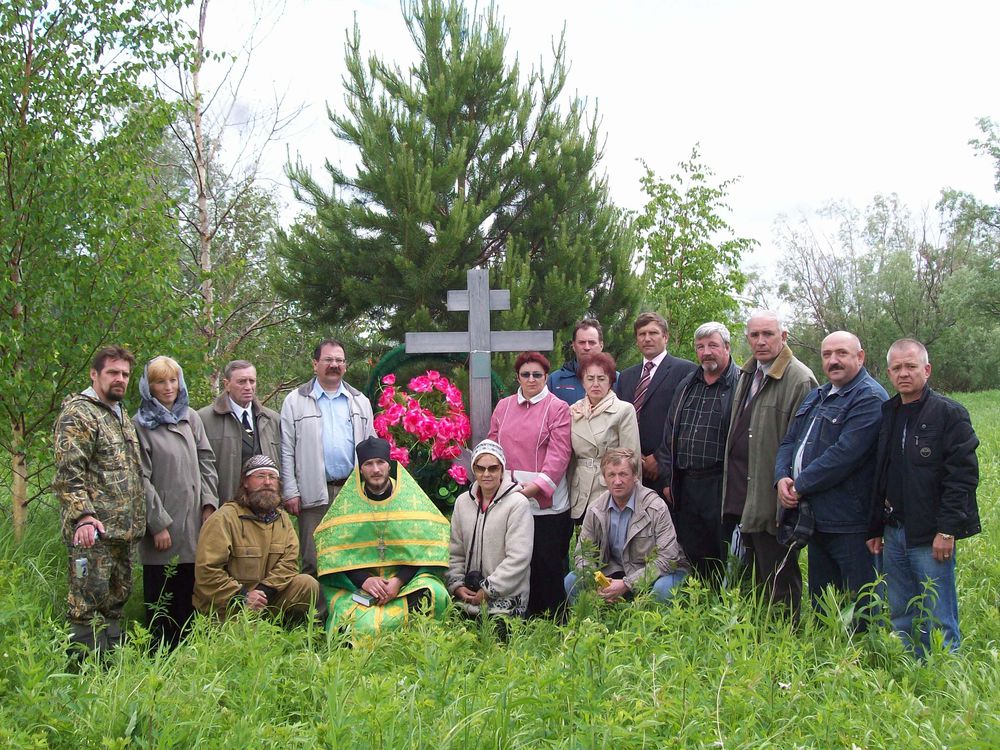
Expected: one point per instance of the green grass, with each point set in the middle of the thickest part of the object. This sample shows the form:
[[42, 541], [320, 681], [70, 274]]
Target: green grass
[[706, 671]]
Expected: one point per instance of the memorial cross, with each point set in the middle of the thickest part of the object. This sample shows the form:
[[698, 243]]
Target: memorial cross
[[478, 300]]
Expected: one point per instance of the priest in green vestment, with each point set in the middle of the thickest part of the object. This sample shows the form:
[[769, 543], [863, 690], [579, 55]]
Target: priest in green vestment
[[382, 549]]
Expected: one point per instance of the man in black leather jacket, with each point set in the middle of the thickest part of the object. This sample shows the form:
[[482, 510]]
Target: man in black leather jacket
[[925, 498]]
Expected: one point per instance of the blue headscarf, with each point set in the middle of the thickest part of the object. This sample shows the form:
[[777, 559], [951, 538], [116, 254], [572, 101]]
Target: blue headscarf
[[151, 412]]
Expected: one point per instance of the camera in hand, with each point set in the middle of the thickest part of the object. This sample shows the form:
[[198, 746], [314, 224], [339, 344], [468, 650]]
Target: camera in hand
[[473, 580]]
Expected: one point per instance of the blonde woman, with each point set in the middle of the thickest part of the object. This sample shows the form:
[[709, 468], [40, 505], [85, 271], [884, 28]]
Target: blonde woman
[[178, 469]]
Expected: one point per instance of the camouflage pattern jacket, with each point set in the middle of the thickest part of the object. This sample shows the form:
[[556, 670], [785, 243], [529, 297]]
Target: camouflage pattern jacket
[[98, 470]]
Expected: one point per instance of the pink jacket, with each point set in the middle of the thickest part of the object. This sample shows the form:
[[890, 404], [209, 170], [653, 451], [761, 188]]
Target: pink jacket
[[535, 437]]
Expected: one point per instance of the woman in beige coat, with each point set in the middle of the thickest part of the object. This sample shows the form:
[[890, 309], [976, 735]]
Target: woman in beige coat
[[178, 469], [600, 420]]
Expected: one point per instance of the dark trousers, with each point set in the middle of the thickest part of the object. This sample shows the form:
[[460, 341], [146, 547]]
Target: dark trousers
[[549, 564], [776, 571], [839, 560], [698, 522], [167, 592]]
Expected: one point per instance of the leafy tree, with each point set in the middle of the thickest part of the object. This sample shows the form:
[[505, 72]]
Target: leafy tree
[[225, 221], [883, 276], [692, 260], [84, 237], [461, 164]]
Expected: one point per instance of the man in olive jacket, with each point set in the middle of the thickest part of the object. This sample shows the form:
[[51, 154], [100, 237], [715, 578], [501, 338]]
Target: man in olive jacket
[[239, 426], [772, 385], [248, 552]]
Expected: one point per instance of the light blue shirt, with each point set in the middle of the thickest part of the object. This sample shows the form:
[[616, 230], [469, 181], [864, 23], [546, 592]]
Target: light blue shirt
[[338, 432], [618, 530]]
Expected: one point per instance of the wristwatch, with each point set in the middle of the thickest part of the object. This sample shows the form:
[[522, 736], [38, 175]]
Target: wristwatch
[[945, 536]]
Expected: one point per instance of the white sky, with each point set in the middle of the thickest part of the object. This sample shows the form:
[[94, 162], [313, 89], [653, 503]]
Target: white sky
[[804, 101]]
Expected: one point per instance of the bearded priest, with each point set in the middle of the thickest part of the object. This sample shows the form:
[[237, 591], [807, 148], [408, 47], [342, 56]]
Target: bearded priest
[[382, 549]]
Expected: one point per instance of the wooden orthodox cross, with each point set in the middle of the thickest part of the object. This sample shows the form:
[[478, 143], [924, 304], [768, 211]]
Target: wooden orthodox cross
[[479, 341]]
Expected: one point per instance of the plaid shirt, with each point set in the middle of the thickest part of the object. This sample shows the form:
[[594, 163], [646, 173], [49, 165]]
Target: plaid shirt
[[701, 437]]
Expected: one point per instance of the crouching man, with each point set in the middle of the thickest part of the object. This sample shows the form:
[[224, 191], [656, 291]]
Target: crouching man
[[248, 552], [629, 532]]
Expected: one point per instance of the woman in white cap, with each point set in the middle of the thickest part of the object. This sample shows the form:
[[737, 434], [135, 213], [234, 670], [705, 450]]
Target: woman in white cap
[[492, 534]]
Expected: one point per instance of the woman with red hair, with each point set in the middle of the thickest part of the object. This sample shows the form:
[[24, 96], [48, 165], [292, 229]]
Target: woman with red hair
[[533, 427], [600, 420]]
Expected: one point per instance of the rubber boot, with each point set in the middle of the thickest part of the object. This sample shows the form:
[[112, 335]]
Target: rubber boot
[[82, 643], [111, 636]]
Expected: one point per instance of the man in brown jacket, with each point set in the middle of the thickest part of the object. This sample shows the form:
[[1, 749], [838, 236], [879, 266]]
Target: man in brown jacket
[[238, 426], [630, 529], [248, 551], [772, 384]]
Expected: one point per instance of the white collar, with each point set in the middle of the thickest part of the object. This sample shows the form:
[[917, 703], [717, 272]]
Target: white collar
[[658, 359], [238, 410], [534, 399]]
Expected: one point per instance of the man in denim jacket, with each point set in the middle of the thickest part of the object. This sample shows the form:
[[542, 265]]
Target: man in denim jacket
[[828, 457]]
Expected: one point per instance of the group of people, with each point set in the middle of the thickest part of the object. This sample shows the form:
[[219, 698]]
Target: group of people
[[657, 469]]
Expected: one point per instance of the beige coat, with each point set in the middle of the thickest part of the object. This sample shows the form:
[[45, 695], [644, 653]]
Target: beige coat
[[615, 427], [225, 435], [178, 471], [651, 547]]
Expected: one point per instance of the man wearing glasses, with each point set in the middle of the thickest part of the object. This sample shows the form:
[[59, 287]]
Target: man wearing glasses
[[321, 423]]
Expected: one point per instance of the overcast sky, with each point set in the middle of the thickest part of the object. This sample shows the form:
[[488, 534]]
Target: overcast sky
[[804, 102]]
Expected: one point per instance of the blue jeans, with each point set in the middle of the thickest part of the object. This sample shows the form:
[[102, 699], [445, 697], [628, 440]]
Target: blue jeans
[[663, 587], [839, 560], [911, 603]]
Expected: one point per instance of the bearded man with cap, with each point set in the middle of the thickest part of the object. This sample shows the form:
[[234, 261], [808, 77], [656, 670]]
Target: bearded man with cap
[[382, 548], [248, 551], [492, 536]]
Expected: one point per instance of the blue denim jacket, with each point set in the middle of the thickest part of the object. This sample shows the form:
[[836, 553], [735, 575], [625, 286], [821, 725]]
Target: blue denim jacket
[[838, 463]]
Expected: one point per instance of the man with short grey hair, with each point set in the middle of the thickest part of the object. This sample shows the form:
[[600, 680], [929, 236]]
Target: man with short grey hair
[[238, 426], [692, 455], [924, 500], [772, 384]]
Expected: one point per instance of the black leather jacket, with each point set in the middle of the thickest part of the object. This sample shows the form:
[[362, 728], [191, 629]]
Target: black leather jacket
[[943, 471]]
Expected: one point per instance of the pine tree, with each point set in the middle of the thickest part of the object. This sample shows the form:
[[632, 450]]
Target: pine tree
[[461, 165]]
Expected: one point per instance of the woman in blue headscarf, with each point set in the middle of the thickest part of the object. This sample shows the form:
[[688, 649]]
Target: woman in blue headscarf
[[178, 469]]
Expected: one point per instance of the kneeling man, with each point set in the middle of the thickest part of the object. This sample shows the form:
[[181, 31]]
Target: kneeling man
[[248, 552], [631, 531], [382, 548]]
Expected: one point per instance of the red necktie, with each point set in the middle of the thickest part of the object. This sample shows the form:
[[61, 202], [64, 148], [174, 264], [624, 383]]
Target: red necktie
[[640, 390]]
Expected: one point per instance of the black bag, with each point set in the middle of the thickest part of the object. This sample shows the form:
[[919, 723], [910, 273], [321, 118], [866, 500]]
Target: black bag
[[796, 525]]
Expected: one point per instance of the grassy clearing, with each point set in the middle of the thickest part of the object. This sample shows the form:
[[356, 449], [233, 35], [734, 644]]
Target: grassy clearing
[[707, 671]]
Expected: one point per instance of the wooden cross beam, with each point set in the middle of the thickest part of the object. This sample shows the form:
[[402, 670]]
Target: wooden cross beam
[[478, 300]]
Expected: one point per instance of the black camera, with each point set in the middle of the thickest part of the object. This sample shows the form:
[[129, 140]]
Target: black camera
[[473, 580]]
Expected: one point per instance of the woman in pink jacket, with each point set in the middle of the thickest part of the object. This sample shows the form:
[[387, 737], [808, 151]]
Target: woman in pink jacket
[[533, 427]]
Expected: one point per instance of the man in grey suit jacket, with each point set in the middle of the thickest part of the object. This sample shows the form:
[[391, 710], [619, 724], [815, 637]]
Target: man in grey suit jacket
[[649, 387]]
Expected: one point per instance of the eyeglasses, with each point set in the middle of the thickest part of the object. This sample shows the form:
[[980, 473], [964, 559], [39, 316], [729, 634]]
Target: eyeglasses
[[494, 469], [332, 361], [531, 375]]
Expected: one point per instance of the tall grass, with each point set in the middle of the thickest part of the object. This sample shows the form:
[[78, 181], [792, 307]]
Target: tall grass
[[703, 671]]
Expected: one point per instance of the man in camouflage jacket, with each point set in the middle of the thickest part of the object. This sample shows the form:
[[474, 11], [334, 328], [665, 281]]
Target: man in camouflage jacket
[[99, 485]]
